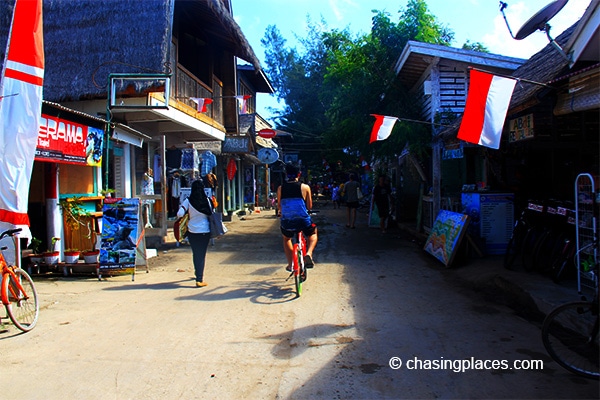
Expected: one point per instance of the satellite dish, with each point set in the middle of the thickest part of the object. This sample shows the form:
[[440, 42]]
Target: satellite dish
[[540, 19]]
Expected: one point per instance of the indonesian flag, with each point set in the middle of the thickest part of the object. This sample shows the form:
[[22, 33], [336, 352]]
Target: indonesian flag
[[243, 103], [21, 86], [201, 103], [382, 128], [487, 103]]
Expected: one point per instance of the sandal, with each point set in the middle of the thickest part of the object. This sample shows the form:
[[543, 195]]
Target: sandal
[[308, 262]]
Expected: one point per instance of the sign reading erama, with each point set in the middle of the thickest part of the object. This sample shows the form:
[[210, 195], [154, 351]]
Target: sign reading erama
[[64, 141]]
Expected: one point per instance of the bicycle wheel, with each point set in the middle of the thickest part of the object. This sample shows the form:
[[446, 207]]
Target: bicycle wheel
[[570, 335], [548, 249], [529, 246], [23, 307], [564, 266], [298, 270], [515, 245]]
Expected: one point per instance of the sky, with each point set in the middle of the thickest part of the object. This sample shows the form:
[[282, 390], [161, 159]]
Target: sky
[[473, 20]]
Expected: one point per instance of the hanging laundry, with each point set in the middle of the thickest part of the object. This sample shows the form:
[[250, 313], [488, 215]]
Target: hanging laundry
[[209, 161]]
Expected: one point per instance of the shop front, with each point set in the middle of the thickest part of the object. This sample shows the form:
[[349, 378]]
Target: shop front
[[67, 165]]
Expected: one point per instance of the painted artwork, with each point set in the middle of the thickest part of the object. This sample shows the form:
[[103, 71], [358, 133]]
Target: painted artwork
[[446, 235], [120, 233]]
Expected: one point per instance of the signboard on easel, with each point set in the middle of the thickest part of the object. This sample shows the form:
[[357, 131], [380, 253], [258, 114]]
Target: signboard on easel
[[373, 215], [121, 236], [446, 234]]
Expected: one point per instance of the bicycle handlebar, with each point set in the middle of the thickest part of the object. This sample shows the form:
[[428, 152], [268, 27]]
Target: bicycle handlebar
[[10, 232]]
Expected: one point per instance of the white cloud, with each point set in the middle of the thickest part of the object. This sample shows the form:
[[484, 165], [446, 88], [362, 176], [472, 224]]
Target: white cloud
[[499, 40], [338, 5]]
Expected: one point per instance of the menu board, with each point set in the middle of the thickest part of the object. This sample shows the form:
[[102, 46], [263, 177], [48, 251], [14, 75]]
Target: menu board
[[492, 218], [497, 214]]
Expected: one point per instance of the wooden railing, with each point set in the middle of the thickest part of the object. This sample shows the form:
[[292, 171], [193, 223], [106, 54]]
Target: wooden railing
[[187, 85]]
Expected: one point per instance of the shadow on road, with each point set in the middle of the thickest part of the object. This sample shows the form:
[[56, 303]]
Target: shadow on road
[[271, 291]]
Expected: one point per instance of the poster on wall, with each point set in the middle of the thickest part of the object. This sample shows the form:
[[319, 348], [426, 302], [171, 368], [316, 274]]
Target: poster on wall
[[64, 141], [446, 235], [120, 235]]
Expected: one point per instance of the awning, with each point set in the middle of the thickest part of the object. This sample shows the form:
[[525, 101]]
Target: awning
[[252, 159], [581, 94], [268, 143], [186, 121], [129, 135]]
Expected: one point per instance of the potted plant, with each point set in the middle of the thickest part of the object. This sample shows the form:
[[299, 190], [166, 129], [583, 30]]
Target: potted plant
[[35, 246], [107, 192], [52, 255], [72, 256], [91, 256]]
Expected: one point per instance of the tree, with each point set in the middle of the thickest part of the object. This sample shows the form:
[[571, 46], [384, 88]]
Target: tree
[[476, 46], [332, 87]]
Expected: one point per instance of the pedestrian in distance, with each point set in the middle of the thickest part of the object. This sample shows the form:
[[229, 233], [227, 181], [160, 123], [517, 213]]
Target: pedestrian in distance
[[198, 227], [294, 200], [381, 198], [336, 197], [351, 193]]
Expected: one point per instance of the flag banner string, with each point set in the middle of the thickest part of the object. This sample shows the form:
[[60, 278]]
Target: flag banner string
[[216, 97], [512, 77]]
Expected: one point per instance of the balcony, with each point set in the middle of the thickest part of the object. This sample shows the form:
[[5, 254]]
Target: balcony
[[186, 85]]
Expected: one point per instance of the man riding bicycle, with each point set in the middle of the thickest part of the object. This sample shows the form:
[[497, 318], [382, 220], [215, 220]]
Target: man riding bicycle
[[294, 200]]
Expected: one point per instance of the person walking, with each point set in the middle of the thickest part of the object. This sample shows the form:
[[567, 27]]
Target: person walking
[[350, 190], [198, 227], [294, 199], [381, 199], [336, 196]]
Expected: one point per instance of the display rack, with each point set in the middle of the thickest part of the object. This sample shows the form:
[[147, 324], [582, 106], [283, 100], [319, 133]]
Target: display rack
[[587, 234]]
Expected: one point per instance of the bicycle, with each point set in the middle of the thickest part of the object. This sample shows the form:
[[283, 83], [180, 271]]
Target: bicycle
[[298, 267], [570, 334], [522, 227], [17, 291]]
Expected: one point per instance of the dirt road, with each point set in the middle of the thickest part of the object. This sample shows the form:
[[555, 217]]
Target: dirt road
[[370, 297]]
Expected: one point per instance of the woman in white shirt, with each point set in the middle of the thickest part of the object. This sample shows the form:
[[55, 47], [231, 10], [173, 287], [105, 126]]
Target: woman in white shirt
[[198, 227]]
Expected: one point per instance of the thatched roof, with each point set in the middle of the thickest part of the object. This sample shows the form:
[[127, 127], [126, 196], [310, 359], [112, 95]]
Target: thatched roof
[[257, 78], [542, 67], [85, 40], [219, 22]]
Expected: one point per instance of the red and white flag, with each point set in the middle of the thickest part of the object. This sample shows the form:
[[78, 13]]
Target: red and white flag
[[243, 103], [487, 104], [21, 86], [201, 103], [382, 128]]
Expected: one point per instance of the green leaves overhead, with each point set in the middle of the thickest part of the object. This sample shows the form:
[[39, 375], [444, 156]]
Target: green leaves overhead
[[332, 85]]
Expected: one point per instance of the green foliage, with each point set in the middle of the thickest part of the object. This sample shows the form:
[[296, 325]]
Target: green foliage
[[35, 245], [337, 80], [476, 46]]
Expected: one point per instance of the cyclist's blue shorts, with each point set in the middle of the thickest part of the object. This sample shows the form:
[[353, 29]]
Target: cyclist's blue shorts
[[307, 231]]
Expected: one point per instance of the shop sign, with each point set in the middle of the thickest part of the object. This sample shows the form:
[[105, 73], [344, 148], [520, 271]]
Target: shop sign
[[450, 154], [267, 133], [213, 146], [246, 122], [521, 128], [63, 141], [236, 145], [121, 232]]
